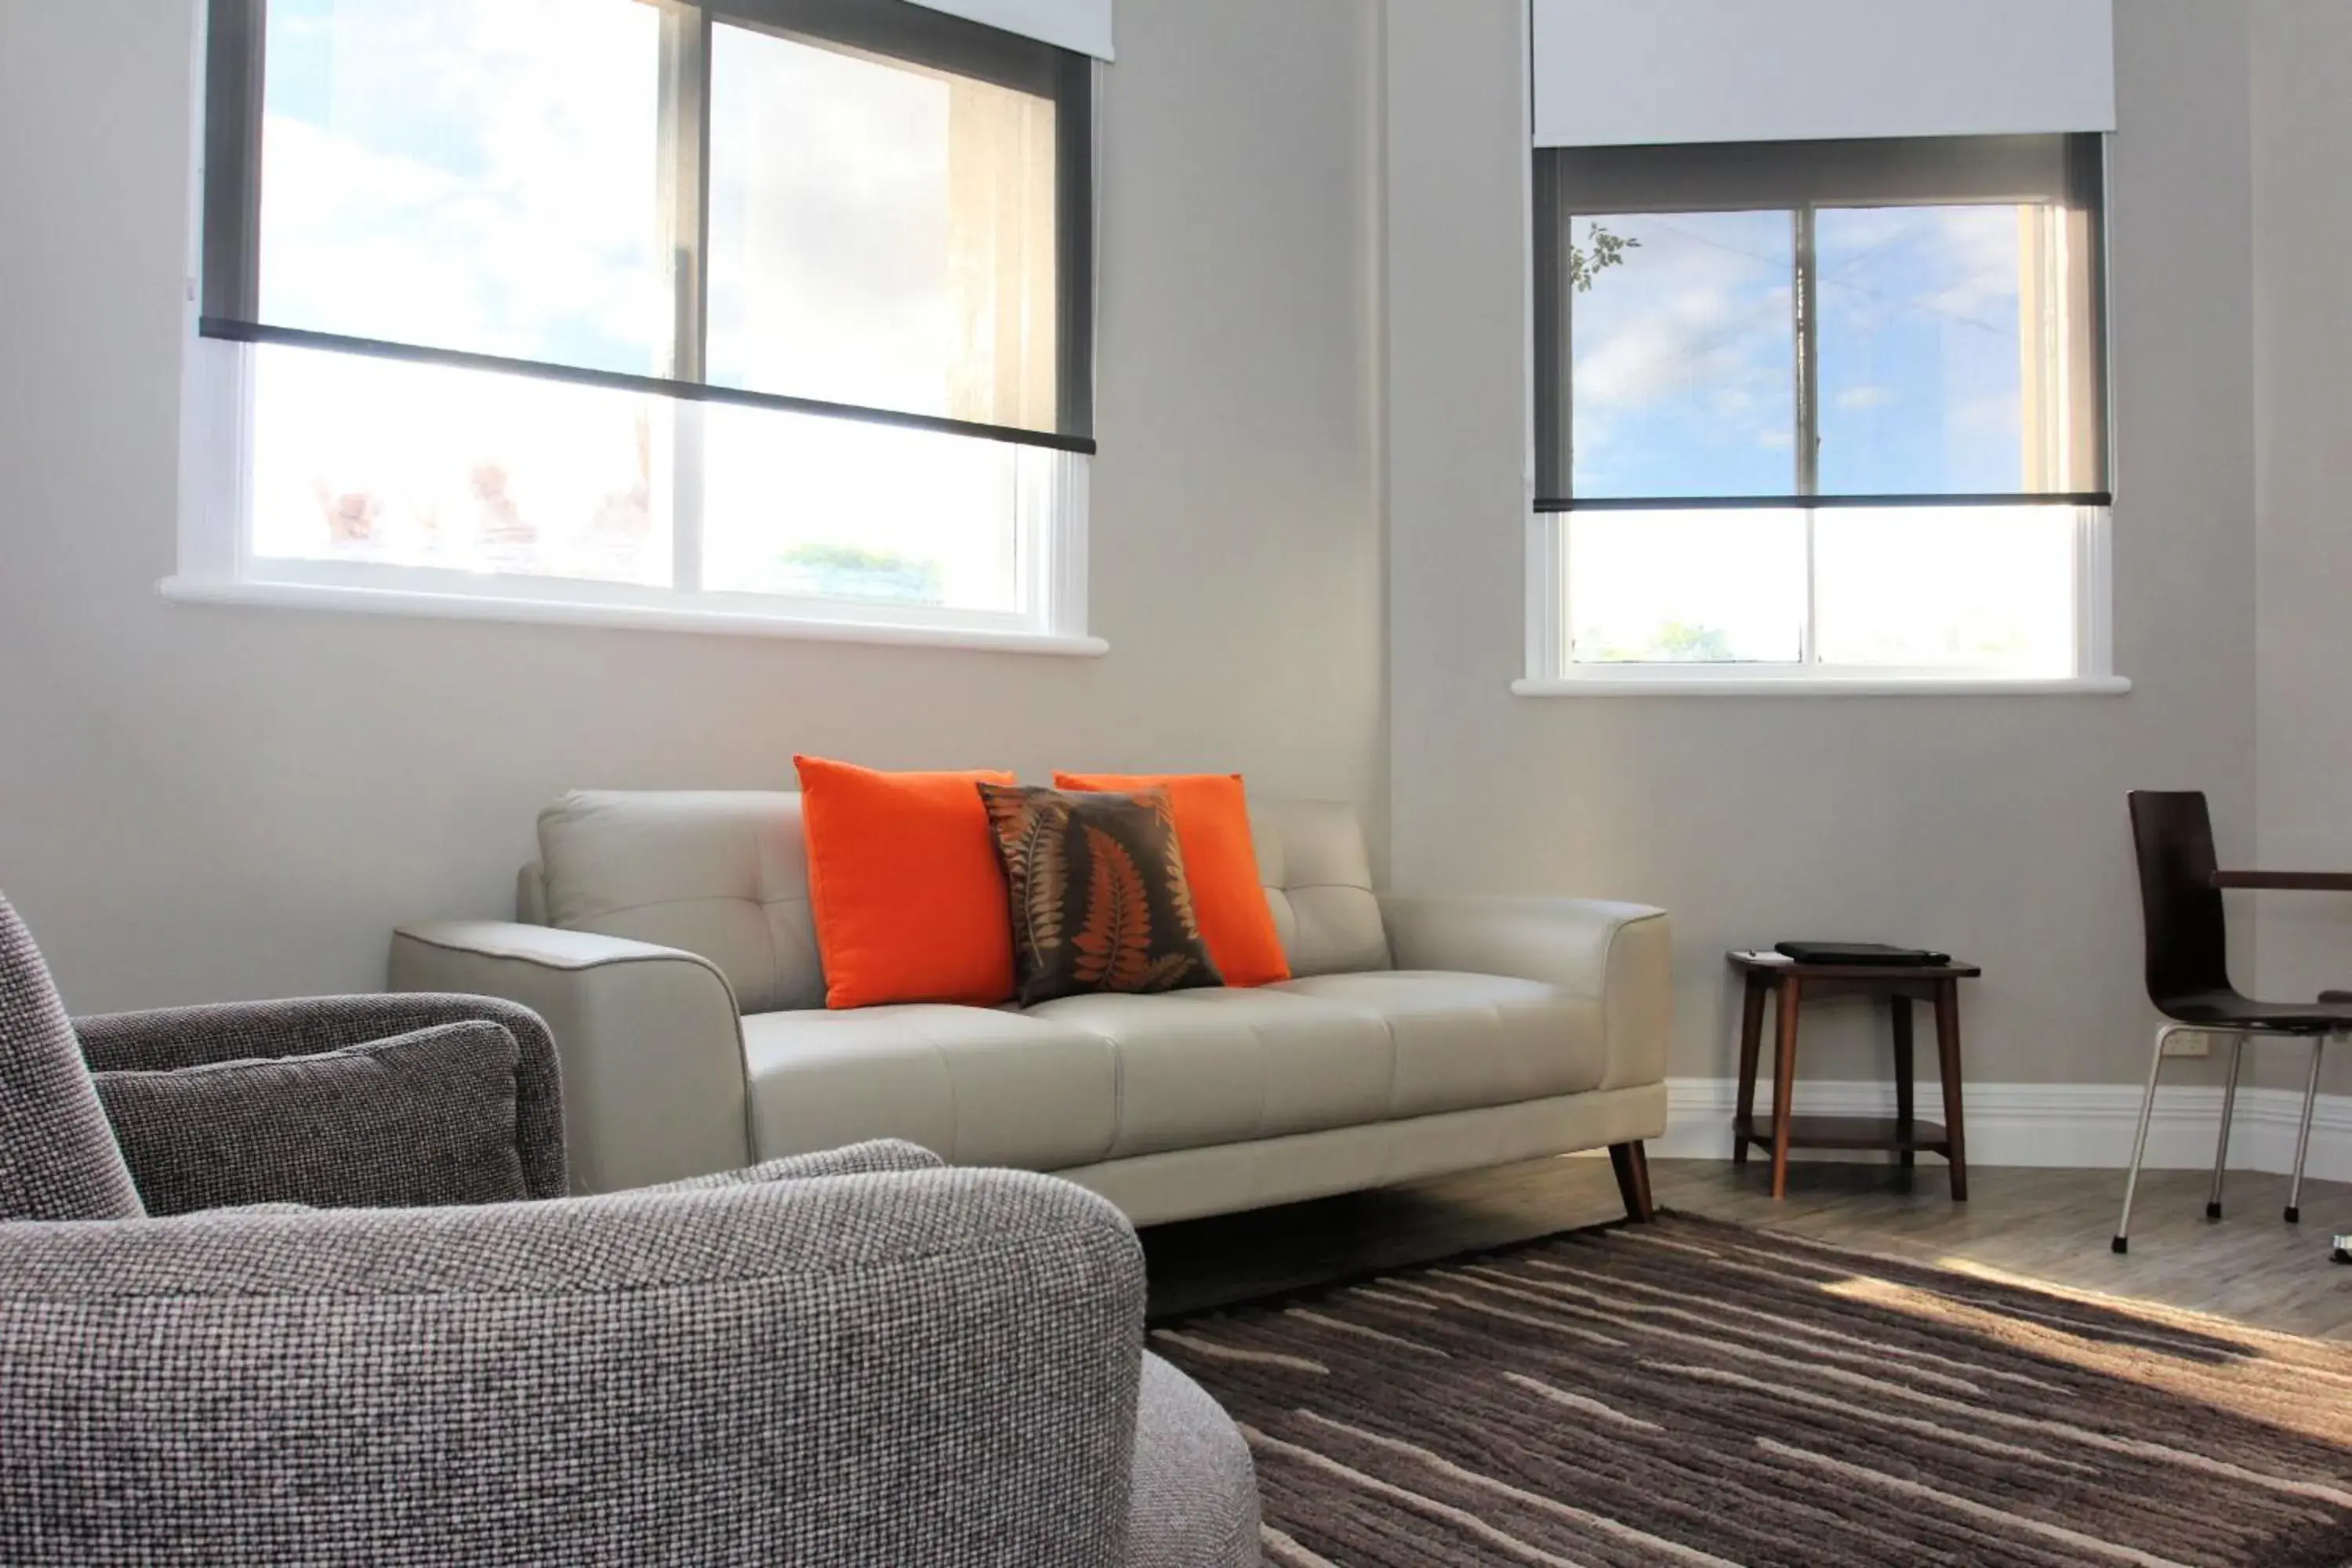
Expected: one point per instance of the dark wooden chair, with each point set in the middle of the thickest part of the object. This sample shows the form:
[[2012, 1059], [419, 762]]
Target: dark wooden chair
[[2189, 980]]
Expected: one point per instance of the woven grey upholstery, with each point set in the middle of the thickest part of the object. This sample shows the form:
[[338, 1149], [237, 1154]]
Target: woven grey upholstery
[[175, 1037], [883, 1154], [850, 1358], [418, 1121], [924, 1368], [1195, 1490], [58, 1157]]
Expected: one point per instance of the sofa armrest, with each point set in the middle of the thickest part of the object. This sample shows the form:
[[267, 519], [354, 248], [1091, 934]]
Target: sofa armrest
[[1622, 953], [649, 1036], [169, 1040], [880, 1369]]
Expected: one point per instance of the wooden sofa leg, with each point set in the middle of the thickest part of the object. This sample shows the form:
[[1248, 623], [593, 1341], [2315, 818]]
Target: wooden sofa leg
[[1632, 1166]]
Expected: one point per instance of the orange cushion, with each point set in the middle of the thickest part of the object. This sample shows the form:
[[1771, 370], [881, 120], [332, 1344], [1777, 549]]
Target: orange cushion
[[903, 880], [1221, 861]]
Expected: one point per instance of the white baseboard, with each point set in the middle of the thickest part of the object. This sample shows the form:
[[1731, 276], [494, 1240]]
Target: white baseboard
[[2087, 1125]]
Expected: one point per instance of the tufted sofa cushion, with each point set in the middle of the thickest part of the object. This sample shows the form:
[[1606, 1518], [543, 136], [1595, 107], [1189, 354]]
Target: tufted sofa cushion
[[979, 1085], [1318, 876], [1460, 1042], [720, 874], [725, 875], [1083, 1080]]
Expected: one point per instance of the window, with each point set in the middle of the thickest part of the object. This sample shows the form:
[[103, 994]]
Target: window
[[1820, 412], [744, 313]]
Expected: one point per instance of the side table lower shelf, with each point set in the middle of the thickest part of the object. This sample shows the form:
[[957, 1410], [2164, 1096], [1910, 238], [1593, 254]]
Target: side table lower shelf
[[1850, 1132]]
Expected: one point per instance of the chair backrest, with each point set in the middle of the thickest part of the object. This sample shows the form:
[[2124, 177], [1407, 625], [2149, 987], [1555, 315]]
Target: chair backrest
[[2181, 909], [724, 874], [59, 1159]]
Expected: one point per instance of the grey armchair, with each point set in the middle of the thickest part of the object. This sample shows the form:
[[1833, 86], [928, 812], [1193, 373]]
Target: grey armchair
[[849, 1358], [177, 1039]]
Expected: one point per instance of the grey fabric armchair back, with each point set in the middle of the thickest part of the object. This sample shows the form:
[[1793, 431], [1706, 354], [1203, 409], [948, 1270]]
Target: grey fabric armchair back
[[178, 1039], [59, 1159], [854, 1358], [903, 1368]]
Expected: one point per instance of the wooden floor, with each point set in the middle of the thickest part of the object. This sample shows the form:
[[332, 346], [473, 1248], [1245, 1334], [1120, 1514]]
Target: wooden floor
[[2051, 1226]]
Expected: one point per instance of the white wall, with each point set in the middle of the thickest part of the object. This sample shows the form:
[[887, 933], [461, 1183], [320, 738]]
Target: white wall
[[2303, 369], [202, 803], [1992, 826]]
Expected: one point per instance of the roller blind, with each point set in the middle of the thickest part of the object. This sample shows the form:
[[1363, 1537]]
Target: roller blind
[[1081, 24], [867, 209], [1822, 323], [1626, 73]]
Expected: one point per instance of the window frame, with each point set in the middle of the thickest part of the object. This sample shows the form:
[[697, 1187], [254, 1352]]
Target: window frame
[[1551, 667], [218, 564]]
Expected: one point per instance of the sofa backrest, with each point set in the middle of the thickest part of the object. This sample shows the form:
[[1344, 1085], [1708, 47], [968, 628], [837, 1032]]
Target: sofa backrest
[[725, 874]]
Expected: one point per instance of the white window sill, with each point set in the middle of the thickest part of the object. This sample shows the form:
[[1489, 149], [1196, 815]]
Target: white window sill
[[638, 618], [1817, 685]]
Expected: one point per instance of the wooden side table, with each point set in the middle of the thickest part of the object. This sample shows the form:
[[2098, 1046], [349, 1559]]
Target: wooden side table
[[1792, 984]]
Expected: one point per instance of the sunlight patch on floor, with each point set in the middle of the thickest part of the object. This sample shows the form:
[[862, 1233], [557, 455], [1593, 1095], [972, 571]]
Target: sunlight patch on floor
[[2248, 1372]]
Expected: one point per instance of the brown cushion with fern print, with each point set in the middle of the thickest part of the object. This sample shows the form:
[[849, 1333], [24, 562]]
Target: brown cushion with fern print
[[1099, 899]]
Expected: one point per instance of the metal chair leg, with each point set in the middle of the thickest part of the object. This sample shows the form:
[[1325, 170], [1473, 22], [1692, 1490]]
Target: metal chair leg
[[2139, 1144], [2303, 1133], [2229, 1109]]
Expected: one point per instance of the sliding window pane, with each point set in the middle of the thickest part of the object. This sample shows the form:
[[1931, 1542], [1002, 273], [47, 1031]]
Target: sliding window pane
[[1935, 376], [810, 508], [367, 460], [1981, 587], [1683, 355], [1691, 588], [468, 176], [882, 233]]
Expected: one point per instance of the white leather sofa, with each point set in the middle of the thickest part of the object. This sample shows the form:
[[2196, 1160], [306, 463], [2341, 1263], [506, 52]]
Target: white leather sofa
[[667, 939]]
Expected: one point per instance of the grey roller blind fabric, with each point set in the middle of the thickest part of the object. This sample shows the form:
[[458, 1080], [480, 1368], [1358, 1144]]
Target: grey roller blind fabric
[[868, 209], [1753, 176]]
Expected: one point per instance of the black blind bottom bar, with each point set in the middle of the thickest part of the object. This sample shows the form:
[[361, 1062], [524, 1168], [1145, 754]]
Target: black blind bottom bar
[[1817, 503], [236, 332]]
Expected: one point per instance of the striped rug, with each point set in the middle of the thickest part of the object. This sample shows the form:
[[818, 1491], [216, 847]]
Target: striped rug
[[1690, 1393]]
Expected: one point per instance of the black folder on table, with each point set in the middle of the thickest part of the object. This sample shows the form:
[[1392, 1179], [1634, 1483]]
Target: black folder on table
[[1861, 952]]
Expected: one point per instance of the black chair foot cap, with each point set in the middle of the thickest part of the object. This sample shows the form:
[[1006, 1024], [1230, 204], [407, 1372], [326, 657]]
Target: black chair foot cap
[[2213, 1211], [2293, 1215], [2123, 1243]]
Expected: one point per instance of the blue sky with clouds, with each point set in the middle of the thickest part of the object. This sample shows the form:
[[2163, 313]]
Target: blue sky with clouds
[[466, 177], [1685, 354]]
